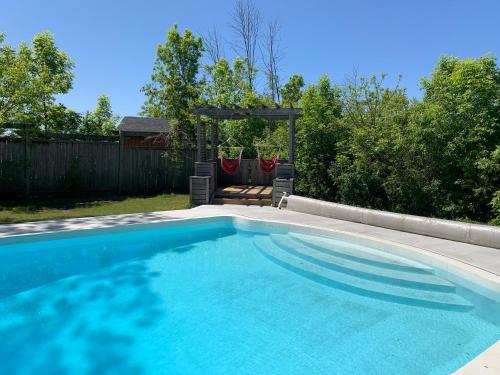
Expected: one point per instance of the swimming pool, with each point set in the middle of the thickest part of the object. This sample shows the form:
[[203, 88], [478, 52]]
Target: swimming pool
[[227, 296]]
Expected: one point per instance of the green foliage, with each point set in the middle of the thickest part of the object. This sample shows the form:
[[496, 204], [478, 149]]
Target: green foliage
[[174, 86], [363, 144], [13, 75], [223, 85], [457, 128], [292, 90], [230, 152], [368, 145], [101, 121], [30, 78], [495, 204], [274, 140], [318, 133], [370, 170], [490, 181], [248, 132], [372, 147], [226, 86], [61, 120]]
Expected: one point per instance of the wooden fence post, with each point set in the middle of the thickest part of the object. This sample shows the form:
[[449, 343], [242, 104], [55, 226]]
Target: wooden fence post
[[27, 161], [120, 162]]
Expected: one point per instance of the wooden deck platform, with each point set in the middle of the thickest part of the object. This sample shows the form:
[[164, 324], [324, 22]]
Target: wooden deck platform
[[244, 194]]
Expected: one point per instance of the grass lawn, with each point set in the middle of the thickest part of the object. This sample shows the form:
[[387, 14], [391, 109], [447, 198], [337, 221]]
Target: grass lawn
[[64, 208]]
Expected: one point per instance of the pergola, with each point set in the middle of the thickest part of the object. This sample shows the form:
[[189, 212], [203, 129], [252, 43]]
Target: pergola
[[204, 184], [217, 113]]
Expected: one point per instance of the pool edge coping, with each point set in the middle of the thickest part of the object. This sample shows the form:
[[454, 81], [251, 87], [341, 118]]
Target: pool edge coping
[[485, 363]]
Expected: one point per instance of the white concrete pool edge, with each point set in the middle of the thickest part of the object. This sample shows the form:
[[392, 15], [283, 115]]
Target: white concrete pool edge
[[487, 362], [471, 233]]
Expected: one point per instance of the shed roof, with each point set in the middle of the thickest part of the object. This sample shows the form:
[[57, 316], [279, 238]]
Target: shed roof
[[143, 125]]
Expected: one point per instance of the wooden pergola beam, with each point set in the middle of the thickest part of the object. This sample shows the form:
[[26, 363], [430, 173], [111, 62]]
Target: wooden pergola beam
[[248, 113]]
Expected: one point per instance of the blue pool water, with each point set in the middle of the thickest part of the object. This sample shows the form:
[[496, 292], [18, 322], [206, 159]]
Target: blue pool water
[[208, 298]]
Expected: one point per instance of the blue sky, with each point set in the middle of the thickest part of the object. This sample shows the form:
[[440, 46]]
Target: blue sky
[[113, 43]]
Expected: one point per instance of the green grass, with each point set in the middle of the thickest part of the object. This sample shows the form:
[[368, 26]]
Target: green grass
[[65, 208]]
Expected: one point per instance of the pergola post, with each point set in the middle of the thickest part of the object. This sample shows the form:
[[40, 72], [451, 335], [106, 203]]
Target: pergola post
[[201, 138], [214, 140], [291, 139]]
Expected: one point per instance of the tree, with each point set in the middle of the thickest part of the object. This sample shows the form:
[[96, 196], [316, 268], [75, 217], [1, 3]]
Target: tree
[[457, 127], [490, 182], [175, 87], [292, 90], [318, 133], [14, 73], [271, 58], [62, 120], [30, 78], [51, 75], [246, 25], [373, 167], [224, 85], [369, 146], [213, 46], [101, 121]]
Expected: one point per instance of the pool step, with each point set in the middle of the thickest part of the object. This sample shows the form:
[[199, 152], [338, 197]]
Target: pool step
[[358, 285], [421, 281], [361, 254]]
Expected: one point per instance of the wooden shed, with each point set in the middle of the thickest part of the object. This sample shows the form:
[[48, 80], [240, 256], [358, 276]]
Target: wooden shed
[[143, 132]]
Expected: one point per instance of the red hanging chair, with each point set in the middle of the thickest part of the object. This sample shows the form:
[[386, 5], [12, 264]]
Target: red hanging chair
[[230, 166], [268, 165]]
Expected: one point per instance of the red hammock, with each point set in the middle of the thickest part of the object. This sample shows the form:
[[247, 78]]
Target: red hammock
[[230, 165], [268, 165]]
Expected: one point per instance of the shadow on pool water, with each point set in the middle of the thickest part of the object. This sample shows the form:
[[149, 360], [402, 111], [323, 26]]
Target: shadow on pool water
[[98, 313]]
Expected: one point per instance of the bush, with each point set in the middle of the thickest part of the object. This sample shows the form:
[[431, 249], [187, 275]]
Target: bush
[[368, 145]]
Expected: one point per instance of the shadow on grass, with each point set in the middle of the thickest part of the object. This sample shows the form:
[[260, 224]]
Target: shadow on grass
[[34, 205], [48, 208]]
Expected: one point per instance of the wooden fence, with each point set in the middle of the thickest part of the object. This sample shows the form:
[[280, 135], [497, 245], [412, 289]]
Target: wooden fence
[[53, 166]]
